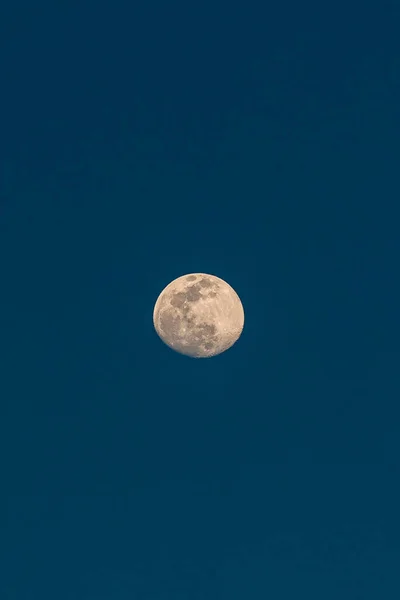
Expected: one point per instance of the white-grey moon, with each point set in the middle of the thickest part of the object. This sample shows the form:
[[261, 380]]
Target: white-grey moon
[[199, 315]]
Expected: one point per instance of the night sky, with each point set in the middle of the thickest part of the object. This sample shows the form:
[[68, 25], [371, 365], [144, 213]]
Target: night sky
[[257, 142]]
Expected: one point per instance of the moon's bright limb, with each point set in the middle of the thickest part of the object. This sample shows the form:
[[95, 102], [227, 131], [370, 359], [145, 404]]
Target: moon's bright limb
[[199, 315]]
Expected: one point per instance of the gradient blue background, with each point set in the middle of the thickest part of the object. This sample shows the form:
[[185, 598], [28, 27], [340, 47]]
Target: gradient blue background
[[259, 143]]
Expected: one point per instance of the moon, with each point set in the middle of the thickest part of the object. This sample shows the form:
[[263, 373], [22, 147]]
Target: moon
[[199, 315]]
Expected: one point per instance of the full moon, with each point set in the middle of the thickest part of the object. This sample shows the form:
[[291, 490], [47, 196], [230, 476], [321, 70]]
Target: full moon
[[199, 315]]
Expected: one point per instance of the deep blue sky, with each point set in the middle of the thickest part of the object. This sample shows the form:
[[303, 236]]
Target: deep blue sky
[[256, 143]]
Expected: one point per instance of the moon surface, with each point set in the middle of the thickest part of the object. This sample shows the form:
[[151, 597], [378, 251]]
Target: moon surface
[[198, 315]]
